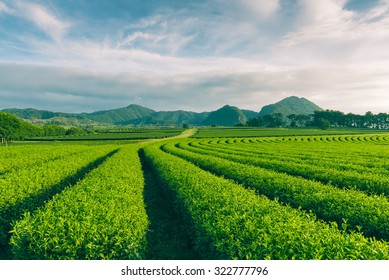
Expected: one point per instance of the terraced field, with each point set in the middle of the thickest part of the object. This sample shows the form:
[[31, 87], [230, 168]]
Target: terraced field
[[287, 197]]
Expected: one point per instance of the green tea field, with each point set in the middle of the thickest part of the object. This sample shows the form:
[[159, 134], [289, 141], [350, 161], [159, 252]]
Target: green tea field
[[282, 197]]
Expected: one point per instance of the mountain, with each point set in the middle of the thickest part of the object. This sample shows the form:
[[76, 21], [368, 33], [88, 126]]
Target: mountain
[[31, 114], [171, 118], [138, 115], [249, 114], [226, 116], [121, 115], [289, 106]]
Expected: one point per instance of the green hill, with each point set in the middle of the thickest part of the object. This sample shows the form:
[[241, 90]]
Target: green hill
[[121, 115], [138, 115], [226, 116], [249, 114], [171, 118], [30, 114], [289, 106]]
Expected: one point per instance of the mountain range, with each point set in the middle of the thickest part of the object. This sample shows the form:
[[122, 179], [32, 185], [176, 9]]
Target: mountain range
[[142, 116]]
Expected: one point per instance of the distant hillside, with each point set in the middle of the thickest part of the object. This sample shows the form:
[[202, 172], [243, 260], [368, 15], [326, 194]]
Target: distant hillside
[[140, 116], [226, 116], [171, 118], [121, 115], [250, 114], [30, 114], [289, 106]]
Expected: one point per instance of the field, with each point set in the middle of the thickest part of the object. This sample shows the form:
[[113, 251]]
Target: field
[[123, 134], [240, 132], [281, 197]]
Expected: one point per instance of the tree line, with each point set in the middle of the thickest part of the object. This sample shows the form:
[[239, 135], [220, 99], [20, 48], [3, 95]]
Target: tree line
[[13, 128], [323, 120]]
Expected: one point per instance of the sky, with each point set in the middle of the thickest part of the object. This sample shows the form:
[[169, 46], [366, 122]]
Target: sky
[[198, 55]]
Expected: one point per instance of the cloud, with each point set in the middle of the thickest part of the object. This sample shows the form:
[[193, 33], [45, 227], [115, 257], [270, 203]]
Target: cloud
[[336, 36], [42, 17], [320, 20], [73, 89], [323, 10], [4, 8], [262, 8]]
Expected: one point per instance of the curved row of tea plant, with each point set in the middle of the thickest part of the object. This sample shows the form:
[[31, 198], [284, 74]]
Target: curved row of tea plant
[[344, 163], [367, 182], [243, 132], [364, 150], [316, 154], [232, 222], [329, 138], [366, 159], [101, 217], [357, 210], [19, 157], [27, 189]]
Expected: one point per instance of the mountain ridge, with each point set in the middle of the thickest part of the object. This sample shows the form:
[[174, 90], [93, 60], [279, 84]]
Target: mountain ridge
[[138, 115]]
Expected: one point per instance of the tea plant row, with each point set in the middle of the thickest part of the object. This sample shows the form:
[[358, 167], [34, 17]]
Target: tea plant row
[[101, 217], [230, 221]]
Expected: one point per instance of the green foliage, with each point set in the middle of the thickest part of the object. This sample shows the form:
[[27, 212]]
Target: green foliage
[[235, 223], [13, 128], [320, 170], [241, 132], [25, 157], [74, 131], [53, 130], [71, 202], [327, 202], [101, 217], [9, 126], [339, 119], [112, 134], [322, 123], [26, 189]]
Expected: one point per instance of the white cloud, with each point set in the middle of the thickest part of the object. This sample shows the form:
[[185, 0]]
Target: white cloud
[[321, 20], [323, 10], [43, 18], [262, 8], [337, 37], [4, 8], [49, 23]]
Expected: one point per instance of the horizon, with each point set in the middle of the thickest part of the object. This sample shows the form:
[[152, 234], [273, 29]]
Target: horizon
[[176, 110], [85, 56]]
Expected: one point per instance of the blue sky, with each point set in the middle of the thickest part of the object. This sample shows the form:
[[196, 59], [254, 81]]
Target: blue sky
[[82, 56]]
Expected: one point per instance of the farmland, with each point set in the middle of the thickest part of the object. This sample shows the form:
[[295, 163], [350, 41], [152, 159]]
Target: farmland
[[241, 132], [286, 196], [115, 134]]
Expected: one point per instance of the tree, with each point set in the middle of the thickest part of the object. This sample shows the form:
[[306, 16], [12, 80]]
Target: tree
[[54, 130], [292, 120], [9, 126], [74, 131], [323, 123], [256, 122]]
